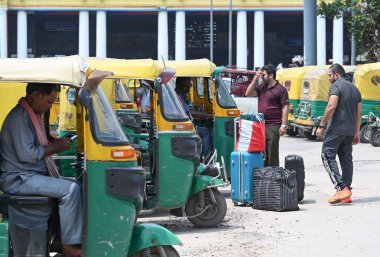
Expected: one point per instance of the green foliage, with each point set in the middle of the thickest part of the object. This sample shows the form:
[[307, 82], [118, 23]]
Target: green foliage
[[362, 19]]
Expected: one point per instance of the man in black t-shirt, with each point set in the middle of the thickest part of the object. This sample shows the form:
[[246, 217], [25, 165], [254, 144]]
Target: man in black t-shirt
[[343, 112]]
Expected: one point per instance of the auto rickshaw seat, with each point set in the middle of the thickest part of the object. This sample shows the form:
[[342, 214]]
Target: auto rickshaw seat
[[132, 121], [28, 218]]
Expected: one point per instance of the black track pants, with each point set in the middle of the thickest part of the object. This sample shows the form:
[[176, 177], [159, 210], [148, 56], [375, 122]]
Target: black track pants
[[341, 145]]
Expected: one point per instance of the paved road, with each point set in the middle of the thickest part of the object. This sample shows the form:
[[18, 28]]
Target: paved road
[[318, 229]]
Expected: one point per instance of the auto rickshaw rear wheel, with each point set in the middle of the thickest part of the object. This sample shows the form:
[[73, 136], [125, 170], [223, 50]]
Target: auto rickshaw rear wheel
[[291, 132], [214, 214], [375, 137], [309, 135], [155, 251], [365, 134]]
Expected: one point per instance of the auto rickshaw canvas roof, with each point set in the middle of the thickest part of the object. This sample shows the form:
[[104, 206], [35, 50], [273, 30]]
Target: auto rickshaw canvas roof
[[296, 72], [362, 70], [367, 80], [146, 69], [192, 68], [69, 70], [322, 72]]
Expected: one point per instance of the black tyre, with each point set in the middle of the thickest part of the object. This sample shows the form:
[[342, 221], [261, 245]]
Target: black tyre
[[154, 252], [211, 217], [365, 134], [309, 136], [291, 132], [375, 137], [300, 132]]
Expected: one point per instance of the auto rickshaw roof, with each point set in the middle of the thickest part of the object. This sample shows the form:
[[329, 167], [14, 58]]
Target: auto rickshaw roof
[[69, 70], [127, 69], [238, 71], [296, 71], [362, 70], [321, 72], [192, 68]]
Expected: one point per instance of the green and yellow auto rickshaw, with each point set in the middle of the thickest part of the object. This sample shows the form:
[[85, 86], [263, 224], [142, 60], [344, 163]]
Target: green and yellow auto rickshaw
[[367, 80], [169, 150], [113, 182], [210, 95], [291, 79], [314, 97]]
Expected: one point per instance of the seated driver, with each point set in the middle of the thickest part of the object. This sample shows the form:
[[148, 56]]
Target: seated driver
[[183, 85], [27, 167]]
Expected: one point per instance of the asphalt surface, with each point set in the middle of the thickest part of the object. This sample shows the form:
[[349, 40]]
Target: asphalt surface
[[318, 229]]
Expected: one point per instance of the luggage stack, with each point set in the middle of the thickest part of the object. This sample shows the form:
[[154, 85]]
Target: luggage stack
[[243, 164]]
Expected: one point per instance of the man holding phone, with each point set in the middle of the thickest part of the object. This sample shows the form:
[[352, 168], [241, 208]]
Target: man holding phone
[[273, 102], [27, 167]]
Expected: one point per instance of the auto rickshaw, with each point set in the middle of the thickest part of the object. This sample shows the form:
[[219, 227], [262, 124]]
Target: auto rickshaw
[[169, 150], [291, 79], [210, 95], [113, 183], [367, 80], [314, 97]]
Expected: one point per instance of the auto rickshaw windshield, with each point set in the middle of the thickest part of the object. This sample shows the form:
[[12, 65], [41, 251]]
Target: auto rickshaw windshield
[[105, 127], [123, 95], [224, 99], [172, 109]]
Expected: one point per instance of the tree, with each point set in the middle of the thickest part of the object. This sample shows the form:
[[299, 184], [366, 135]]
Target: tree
[[362, 19]]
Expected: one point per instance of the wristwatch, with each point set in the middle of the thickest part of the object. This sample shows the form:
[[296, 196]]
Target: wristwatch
[[322, 127], [284, 126]]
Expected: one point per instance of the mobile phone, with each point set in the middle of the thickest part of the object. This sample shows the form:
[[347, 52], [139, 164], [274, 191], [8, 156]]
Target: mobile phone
[[70, 136]]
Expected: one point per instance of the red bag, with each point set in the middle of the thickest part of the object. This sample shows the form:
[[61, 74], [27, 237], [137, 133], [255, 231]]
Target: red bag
[[252, 136]]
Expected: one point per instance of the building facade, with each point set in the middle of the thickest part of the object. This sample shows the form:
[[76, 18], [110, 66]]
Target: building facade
[[263, 32]]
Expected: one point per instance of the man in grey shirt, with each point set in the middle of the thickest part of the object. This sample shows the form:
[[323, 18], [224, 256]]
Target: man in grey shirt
[[344, 109], [23, 164]]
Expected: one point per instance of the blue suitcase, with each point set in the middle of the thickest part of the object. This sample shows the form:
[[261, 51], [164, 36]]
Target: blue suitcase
[[242, 166]]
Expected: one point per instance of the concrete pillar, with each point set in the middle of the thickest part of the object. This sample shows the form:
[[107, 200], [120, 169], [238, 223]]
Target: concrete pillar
[[321, 40], [338, 41], [22, 34], [162, 42], [180, 35], [241, 40], [101, 34], [3, 34], [259, 39], [84, 31]]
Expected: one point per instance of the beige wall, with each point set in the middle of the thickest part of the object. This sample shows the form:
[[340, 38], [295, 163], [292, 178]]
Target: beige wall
[[149, 4]]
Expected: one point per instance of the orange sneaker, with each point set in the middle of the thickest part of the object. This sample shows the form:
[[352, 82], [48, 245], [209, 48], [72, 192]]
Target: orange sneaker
[[343, 194], [348, 200]]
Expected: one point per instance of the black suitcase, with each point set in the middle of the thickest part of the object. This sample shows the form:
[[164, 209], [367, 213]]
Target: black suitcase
[[295, 162]]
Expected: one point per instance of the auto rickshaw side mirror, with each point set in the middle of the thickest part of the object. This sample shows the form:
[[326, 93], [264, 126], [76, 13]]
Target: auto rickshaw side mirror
[[71, 95], [84, 97], [166, 75]]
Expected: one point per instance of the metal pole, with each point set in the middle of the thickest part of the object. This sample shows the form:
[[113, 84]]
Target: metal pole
[[211, 32], [309, 32], [230, 35], [353, 44]]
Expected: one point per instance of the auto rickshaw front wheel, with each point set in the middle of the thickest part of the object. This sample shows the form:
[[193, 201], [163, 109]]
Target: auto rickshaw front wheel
[[365, 134], [156, 251], [375, 137], [203, 212]]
